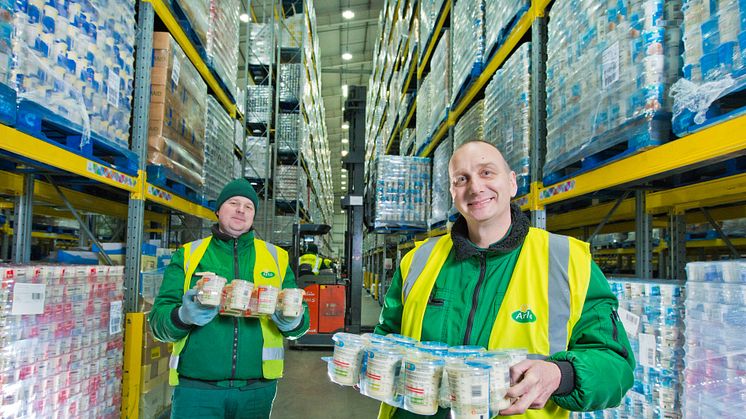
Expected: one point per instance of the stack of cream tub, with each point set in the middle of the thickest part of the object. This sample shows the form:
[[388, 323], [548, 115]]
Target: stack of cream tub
[[422, 376], [241, 298]]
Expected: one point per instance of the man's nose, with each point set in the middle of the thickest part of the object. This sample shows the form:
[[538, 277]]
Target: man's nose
[[475, 185], [240, 209]]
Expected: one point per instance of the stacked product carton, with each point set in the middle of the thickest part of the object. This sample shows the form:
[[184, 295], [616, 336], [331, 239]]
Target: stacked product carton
[[178, 105]]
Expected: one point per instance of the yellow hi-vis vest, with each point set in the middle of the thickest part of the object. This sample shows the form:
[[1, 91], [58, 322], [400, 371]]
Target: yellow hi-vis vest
[[311, 260], [269, 258], [542, 304]]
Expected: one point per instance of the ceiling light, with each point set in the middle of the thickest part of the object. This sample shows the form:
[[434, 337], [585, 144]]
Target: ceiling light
[[344, 90], [345, 125], [244, 17], [348, 14], [344, 153], [345, 141], [347, 56]]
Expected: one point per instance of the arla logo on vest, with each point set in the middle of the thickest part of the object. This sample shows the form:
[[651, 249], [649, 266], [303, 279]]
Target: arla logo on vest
[[524, 315], [268, 274]]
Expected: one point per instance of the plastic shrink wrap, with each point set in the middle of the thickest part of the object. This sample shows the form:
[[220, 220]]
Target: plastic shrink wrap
[[507, 114], [178, 105], [74, 60], [222, 41], [402, 192], [714, 36], [218, 149], [470, 127], [715, 342], [609, 69], [61, 339]]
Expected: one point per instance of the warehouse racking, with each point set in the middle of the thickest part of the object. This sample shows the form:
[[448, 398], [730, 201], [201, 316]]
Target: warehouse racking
[[53, 178], [694, 179]]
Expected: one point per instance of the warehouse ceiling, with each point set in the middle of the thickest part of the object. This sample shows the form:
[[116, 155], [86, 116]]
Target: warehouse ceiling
[[338, 35]]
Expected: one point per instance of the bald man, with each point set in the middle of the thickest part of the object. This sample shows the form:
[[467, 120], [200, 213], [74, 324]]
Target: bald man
[[496, 282]]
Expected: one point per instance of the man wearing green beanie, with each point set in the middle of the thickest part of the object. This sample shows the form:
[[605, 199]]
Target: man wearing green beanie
[[225, 366]]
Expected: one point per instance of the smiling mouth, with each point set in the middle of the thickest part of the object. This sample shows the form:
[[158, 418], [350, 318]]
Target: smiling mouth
[[480, 202]]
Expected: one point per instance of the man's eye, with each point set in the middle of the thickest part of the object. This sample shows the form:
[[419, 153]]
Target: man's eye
[[459, 180]]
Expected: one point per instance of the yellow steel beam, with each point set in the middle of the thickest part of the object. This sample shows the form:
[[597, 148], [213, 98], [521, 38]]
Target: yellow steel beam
[[722, 191], [428, 51], [133, 341], [164, 13], [621, 227], [12, 184], [716, 192], [724, 213], [691, 244], [35, 149], [410, 75], [167, 199], [396, 19], [716, 142]]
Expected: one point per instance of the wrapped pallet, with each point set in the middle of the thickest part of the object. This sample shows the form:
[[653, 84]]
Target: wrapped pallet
[[402, 192], [507, 114], [76, 60], [609, 70], [222, 41], [470, 127], [218, 149], [178, 105]]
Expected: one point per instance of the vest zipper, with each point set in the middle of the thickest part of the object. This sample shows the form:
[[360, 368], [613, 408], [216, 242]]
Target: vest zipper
[[475, 298], [235, 320]]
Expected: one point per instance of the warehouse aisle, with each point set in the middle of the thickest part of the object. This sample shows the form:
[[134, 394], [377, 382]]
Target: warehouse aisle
[[306, 392]]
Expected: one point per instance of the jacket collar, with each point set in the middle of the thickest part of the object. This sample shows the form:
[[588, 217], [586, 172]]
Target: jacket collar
[[465, 248], [244, 239]]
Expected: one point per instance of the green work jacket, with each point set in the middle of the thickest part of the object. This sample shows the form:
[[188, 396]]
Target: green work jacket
[[227, 347], [598, 366]]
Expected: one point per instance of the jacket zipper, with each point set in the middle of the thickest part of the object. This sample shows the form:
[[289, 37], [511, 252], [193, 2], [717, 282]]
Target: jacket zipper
[[235, 320], [475, 298]]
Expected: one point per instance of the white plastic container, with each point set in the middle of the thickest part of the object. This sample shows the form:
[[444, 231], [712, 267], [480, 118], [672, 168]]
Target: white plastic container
[[210, 289], [421, 374], [499, 363], [516, 355], [380, 373], [470, 388], [263, 301], [455, 354], [236, 297], [344, 368], [401, 340], [291, 301]]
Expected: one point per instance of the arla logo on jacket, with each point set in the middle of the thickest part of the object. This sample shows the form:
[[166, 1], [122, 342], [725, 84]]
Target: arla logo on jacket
[[524, 315], [268, 274]]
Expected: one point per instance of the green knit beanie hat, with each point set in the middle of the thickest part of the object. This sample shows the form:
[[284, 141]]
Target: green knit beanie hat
[[237, 187]]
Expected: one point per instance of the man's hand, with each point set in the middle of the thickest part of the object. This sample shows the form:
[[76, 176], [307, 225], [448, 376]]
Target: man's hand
[[534, 382], [192, 312]]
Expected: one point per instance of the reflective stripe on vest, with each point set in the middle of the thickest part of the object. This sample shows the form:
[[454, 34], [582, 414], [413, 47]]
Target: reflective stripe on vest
[[543, 301], [269, 269]]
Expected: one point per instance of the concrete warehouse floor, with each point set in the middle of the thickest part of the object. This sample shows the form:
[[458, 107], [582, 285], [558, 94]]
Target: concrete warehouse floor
[[306, 392]]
